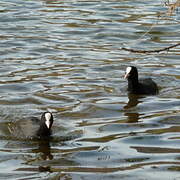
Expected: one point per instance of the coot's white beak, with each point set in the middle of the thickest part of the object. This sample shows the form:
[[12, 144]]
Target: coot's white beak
[[126, 76], [47, 121], [128, 70]]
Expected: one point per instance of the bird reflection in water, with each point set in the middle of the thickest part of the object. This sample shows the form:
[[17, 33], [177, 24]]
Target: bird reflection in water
[[44, 149], [129, 109]]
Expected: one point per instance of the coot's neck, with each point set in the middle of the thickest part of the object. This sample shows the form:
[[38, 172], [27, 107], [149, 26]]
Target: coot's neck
[[133, 83], [43, 131]]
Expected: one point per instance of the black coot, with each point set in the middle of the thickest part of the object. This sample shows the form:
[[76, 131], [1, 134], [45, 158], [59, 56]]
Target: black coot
[[33, 127], [45, 125], [139, 86]]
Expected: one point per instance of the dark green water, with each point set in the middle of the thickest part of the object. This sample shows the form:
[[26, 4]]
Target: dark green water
[[65, 56]]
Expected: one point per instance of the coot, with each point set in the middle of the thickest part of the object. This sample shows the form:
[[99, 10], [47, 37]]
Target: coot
[[139, 86], [33, 127], [45, 125]]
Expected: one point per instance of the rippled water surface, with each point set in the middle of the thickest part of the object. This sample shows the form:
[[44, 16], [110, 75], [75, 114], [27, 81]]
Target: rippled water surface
[[66, 57]]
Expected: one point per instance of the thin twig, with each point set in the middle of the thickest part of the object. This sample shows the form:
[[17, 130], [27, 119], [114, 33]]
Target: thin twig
[[172, 6], [151, 51]]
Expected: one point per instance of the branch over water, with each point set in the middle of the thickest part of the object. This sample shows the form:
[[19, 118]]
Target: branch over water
[[151, 51]]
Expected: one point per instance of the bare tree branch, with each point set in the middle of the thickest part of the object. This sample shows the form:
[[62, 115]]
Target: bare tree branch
[[151, 51]]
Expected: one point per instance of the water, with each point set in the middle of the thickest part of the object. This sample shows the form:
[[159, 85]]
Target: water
[[66, 57]]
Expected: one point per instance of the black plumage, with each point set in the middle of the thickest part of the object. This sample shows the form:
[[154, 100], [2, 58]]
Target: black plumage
[[32, 127], [139, 86]]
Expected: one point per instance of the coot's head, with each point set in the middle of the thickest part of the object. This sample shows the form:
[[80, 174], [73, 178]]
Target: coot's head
[[131, 73], [47, 120]]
